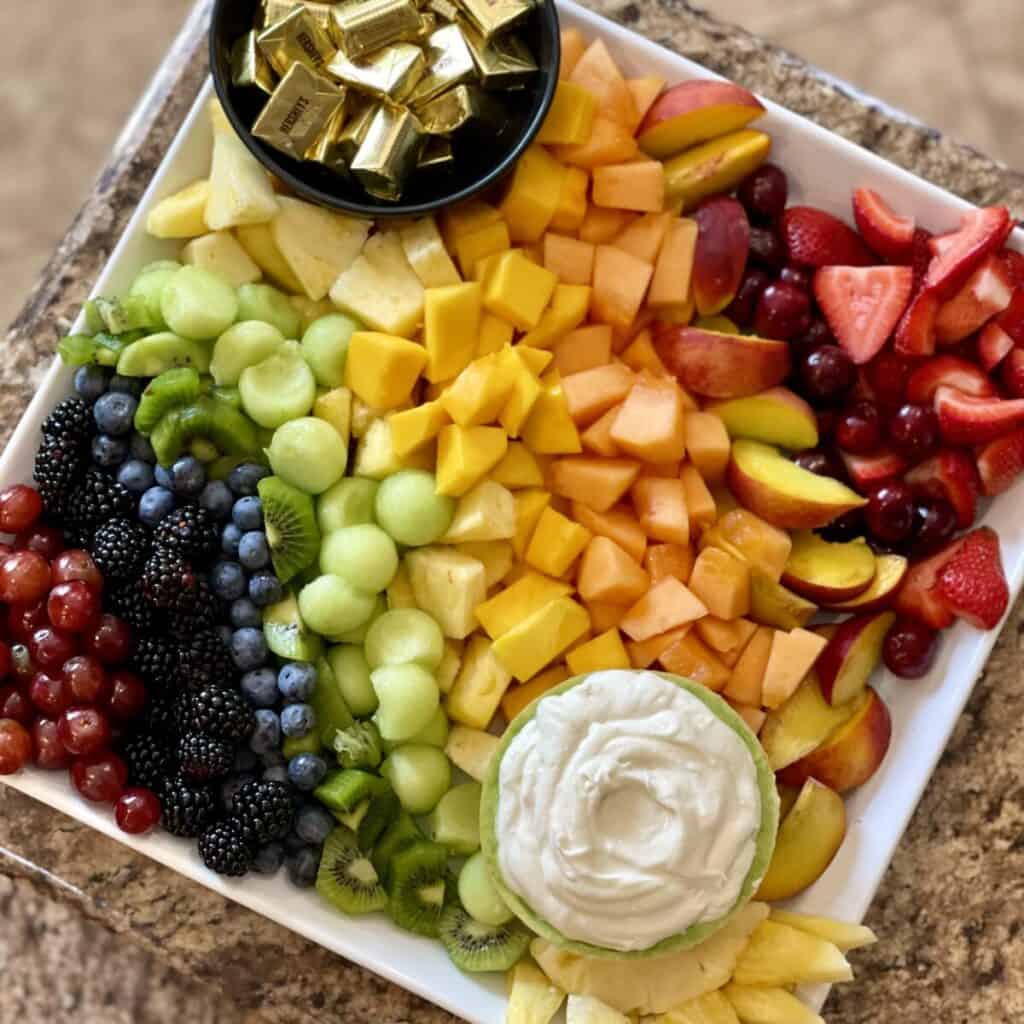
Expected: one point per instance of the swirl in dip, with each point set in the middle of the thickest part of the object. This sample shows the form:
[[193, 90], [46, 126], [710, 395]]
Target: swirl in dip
[[627, 811]]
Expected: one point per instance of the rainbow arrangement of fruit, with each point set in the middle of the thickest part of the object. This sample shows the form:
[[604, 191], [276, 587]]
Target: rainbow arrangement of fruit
[[334, 501]]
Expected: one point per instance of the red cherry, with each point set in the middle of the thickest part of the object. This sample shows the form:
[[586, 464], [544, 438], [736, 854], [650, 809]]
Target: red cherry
[[20, 507], [741, 310], [47, 541], [799, 277], [15, 746], [909, 648], [914, 430], [110, 641], [100, 777], [890, 512], [137, 811], [819, 462], [127, 696], [934, 524], [76, 564], [83, 730], [782, 311], [767, 248], [23, 620], [826, 374], [24, 577], [50, 752], [16, 705], [73, 606], [887, 376], [859, 429], [87, 680], [764, 193], [50, 694], [50, 648]]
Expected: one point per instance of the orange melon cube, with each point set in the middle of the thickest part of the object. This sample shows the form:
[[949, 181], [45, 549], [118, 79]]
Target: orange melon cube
[[661, 508], [597, 72], [700, 503], [609, 143], [661, 560], [595, 482], [598, 436], [725, 501], [752, 717], [515, 698], [640, 354], [601, 225], [593, 392], [617, 524], [583, 349], [623, 336], [604, 616], [673, 270], [692, 658], [727, 639], [707, 444], [643, 238], [644, 653], [666, 605], [573, 45], [722, 582], [619, 285], [638, 185], [651, 424], [569, 258], [747, 678], [644, 92], [659, 471], [572, 201], [608, 574]]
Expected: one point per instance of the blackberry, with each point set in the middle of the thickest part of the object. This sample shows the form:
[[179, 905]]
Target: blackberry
[[264, 810], [225, 849], [71, 418], [130, 604], [206, 661], [149, 760], [59, 465], [96, 499], [187, 808], [169, 581], [221, 713], [161, 718], [203, 758], [204, 613], [119, 547], [189, 530], [156, 660]]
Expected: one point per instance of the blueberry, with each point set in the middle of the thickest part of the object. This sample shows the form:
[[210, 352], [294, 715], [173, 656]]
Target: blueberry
[[114, 413], [108, 451], [297, 720], [253, 551], [248, 648], [163, 477], [155, 504], [245, 613], [230, 786], [265, 588], [313, 823], [296, 681], [267, 734], [127, 385], [135, 476], [245, 760], [228, 580], [260, 687], [268, 859], [243, 478], [216, 498], [247, 513], [90, 382], [188, 476], [302, 867], [141, 448], [229, 538], [293, 843], [276, 773], [306, 771]]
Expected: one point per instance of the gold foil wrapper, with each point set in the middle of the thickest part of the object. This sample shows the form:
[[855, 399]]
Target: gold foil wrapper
[[490, 17], [327, 150], [446, 10], [298, 111], [455, 109], [390, 151], [449, 63], [359, 27], [389, 74], [504, 63], [428, 25], [437, 155], [296, 39], [275, 10], [249, 66], [357, 124]]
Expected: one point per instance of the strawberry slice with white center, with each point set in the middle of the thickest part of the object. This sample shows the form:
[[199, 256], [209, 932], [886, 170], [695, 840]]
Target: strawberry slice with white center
[[889, 234], [994, 345], [952, 475], [1000, 462], [1011, 373], [972, 582], [957, 255], [987, 293], [1014, 262], [915, 335], [965, 419], [918, 598], [863, 305], [866, 472], [949, 370]]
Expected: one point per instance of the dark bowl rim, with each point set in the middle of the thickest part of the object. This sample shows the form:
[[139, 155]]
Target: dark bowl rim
[[548, 13]]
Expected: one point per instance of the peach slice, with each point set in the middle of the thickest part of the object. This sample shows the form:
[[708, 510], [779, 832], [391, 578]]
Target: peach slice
[[824, 571], [809, 838], [852, 754], [721, 365], [743, 534], [693, 112], [771, 604], [890, 571], [723, 243], [714, 167], [783, 493], [787, 797], [854, 651], [776, 416]]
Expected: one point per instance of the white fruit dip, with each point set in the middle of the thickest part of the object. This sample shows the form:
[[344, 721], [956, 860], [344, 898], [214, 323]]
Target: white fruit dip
[[627, 811]]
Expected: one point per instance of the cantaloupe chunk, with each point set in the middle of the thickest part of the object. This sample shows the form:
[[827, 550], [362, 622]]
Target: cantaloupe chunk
[[593, 392], [620, 283], [699, 502], [661, 509], [707, 444], [618, 524], [598, 436], [638, 185], [644, 237], [573, 45], [722, 582], [670, 285], [569, 258], [601, 225], [597, 72], [583, 349], [659, 471], [640, 354], [792, 656], [666, 605], [752, 717], [608, 574], [692, 658], [727, 639], [651, 424], [572, 201], [644, 653], [747, 678], [644, 92], [609, 143], [661, 560], [604, 615], [516, 698], [596, 482]]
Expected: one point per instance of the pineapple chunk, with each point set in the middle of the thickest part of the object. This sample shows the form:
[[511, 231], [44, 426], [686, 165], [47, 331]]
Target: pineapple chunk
[[258, 241], [448, 667], [471, 750], [778, 955], [448, 585], [399, 593], [588, 1010], [335, 407], [240, 190], [710, 1008], [220, 254], [218, 119], [497, 556], [317, 244], [181, 215], [426, 253], [376, 458], [487, 512], [363, 415], [532, 999], [479, 686], [380, 288], [769, 1006], [839, 933]]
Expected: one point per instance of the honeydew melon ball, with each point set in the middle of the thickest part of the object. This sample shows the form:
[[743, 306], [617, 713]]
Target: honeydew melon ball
[[408, 507], [363, 554], [331, 606], [309, 454]]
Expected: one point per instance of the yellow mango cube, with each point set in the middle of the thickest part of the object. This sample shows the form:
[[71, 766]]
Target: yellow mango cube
[[518, 290], [451, 324], [415, 427], [572, 201], [570, 116], [550, 430], [532, 197], [519, 601], [484, 267], [479, 686], [494, 334], [569, 306], [465, 455], [383, 368], [473, 246], [516, 698], [480, 391], [556, 543], [540, 639], [603, 652], [519, 468], [467, 217], [529, 506], [523, 395], [335, 407], [537, 359]]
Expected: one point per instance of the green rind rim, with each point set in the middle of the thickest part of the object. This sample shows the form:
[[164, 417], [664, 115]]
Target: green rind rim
[[697, 933]]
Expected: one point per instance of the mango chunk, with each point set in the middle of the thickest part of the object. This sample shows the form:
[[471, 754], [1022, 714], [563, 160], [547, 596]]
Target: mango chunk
[[518, 290], [451, 324], [529, 506], [568, 309], [382, 368], [518, 697], [549, 430], [523, 395], [494, 334], [541, 638], [570, 116], [556, 543], [480, 391], [519, 468], [603, 652], [465, 455], [479, 686], [518, 602], [472, 246], [532, 197], [572, 201], [415, 427]]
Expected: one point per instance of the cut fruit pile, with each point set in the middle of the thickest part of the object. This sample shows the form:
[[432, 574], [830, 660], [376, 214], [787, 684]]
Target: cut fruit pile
[[630, 411]]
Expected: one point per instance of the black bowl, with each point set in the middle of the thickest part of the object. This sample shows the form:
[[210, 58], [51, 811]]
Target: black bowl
[[480, 160]]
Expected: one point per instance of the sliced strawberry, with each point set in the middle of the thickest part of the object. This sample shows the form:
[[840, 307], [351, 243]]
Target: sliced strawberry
[[863, 305], [1000, 462], [918, 598], [965, 419], [1014, 262], [951, 474], [1011, 373], [949, 370], [1011, 320], [920, 255], [889, 234], [815, 238], [986, 294], [915, 335], [957, 255], [972, 582], [866, 472], [994, 345]]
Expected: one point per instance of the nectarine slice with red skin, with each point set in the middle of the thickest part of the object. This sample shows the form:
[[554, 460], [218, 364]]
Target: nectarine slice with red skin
[[772, 604], [776, 416], [890, 571], [852, 654], [826, 571], [715, 167], [723, 244]]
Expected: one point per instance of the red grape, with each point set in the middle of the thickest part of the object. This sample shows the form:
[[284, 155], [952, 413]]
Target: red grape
[[87, 680], [50, 648], [110, 641], [73, 606], [14, 704], [890, 512], [5, 660], [20, 507], [781, 311], [743, 305], [819, 462], [83, 730], [934, 524], [859, 429], [826, 374], [50, 752], [764, 193], [127, 696], [24, 619], [100, 777], [914, 430], [767, 248], [48, 541], [137, 811], [24, 577], [76, 564], [799, 277], [848, 526], [15, 746], [909, 648], [887, 376], [50, 694]]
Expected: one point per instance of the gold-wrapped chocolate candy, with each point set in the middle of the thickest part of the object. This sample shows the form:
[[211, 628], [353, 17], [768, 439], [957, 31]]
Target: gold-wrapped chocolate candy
[[437, 155], [275, 10], [298, 111], [327, 150], [388, 74], [490, 17], [502, 63], [249, 66], [428, 25], [455, 109], [357, 124], [446, 10], [296, 39], [389, 153], [449, 63], [359, 27]]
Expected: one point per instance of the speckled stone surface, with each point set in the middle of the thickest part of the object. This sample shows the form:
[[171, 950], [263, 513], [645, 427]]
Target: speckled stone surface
[[952, 906]]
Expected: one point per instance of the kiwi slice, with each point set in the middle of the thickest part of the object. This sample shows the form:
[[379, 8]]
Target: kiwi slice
[[286, 634], [474, 946], [168, 438], [230, 431], [170, 390], [347, 879], [417, 883], [150, 356], [399, 836], [131, 313], [329, 705], [290, 521], [364, 803]]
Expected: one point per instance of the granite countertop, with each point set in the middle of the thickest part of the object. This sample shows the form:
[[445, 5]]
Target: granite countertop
[[949, 910]]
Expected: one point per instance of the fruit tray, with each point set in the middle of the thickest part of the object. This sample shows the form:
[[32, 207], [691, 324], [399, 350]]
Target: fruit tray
[[824, 170]]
